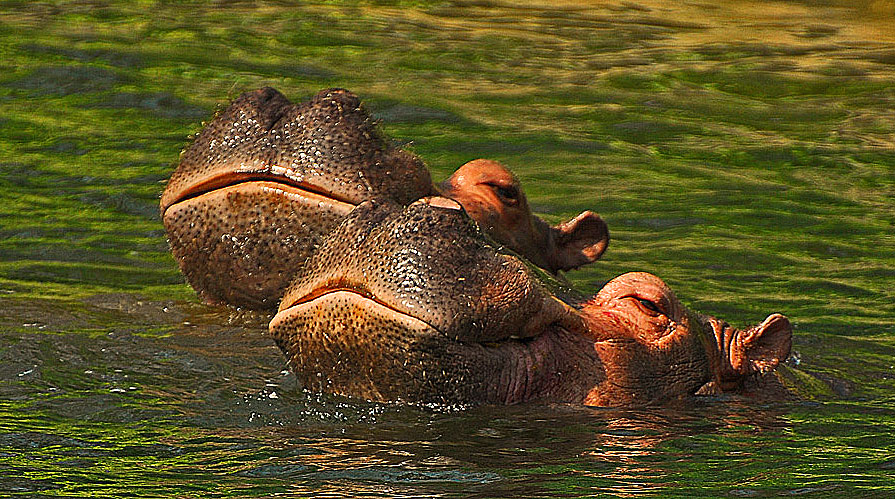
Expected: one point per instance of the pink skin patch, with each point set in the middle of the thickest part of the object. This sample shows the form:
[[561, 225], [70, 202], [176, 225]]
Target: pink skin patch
[[440, 202]]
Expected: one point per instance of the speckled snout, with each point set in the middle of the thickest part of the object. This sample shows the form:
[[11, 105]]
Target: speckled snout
[[267, 180]]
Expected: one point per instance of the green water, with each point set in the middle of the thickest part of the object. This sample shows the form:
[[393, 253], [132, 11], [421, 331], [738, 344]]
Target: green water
[[743, 151]]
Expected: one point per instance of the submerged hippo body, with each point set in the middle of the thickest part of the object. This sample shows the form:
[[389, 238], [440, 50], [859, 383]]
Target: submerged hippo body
[[267, 180], [415, 304]]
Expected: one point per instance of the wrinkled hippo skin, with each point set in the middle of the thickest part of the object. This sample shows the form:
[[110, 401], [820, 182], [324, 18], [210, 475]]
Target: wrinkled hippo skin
[[653, 337], [416, 304], [266, 180]]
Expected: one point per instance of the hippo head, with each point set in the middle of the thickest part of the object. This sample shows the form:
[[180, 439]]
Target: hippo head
[[266, 180], [655, 349], [493, 196], [417, 304]]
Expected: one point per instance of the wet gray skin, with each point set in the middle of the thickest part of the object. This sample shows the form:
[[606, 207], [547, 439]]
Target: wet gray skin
[[417, 304], [266, 180]]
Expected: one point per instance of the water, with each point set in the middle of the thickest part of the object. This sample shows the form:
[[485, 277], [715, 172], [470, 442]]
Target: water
[[743, 151]]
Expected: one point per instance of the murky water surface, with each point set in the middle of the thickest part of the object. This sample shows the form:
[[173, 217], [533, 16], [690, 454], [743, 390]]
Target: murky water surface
[[744, 151]]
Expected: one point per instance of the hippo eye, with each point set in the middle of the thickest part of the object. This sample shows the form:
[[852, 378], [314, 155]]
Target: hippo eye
[[509, 194], [648, 306]]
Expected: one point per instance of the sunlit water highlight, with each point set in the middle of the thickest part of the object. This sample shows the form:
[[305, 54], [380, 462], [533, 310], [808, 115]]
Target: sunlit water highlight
[[743, 151]]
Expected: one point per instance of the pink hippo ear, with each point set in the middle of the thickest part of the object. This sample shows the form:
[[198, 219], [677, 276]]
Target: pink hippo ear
[[761, 348], [578, 241]]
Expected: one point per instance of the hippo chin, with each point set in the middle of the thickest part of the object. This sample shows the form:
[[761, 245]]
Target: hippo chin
[[267, 180], [417, 304]]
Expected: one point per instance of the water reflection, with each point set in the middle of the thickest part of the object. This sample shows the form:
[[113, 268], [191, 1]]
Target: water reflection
[[205, 403]]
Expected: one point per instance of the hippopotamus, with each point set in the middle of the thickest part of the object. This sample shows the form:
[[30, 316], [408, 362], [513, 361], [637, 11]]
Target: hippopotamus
[[266, 180], [493, 197], [417, 304]]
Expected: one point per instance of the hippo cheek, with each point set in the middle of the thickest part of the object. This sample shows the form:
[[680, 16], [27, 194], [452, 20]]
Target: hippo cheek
[[242, 243], [638, 373]]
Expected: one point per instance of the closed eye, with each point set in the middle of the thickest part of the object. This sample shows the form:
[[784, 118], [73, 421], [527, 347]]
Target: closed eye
[[648, 306], [509, 194]]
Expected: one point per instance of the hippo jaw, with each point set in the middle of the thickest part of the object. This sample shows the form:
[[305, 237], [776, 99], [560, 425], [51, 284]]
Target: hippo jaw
[[236, 235], [342, 330]]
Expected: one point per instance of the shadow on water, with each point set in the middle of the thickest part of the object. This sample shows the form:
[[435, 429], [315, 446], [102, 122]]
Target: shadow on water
[[743, 151]]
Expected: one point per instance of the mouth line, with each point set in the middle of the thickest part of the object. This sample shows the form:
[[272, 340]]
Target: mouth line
[[343, 286], [340, 285], [224, 181]]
